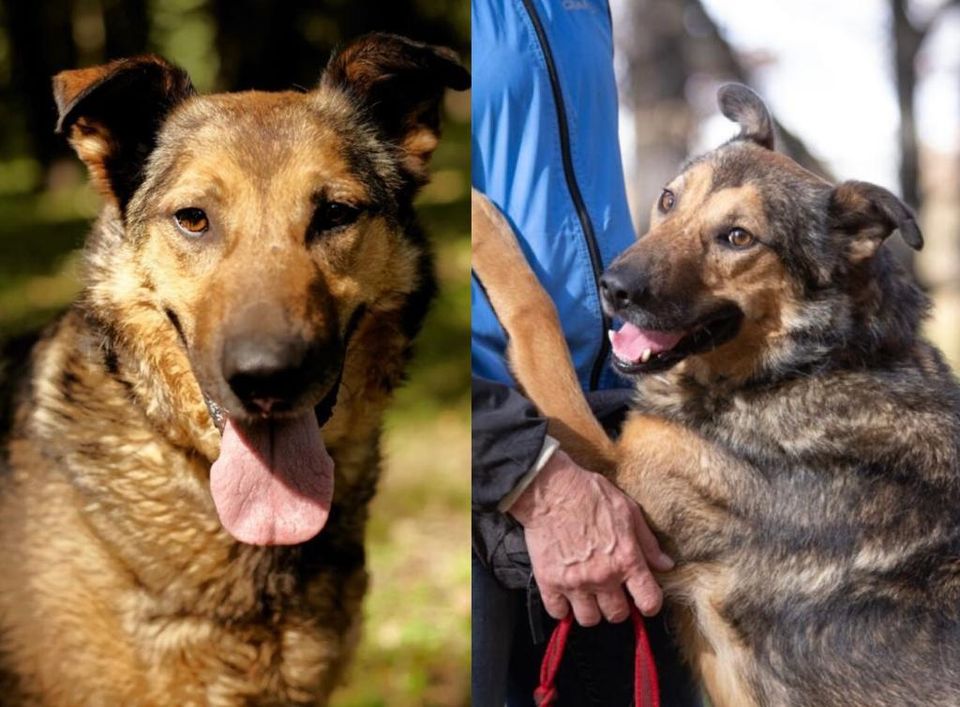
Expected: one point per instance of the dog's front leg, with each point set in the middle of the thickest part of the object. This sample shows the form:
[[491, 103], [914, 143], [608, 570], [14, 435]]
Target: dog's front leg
[[537, 350], [687, 487]]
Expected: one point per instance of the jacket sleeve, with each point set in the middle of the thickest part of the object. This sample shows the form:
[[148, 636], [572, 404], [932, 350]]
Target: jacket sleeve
[[508, 435]]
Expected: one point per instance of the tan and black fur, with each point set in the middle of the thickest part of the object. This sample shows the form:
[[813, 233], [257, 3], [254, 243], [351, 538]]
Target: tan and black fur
[[799, 450], [119, 585]]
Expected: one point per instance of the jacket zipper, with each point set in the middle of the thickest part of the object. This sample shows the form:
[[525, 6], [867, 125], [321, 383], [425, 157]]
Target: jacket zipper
[[585, 224]]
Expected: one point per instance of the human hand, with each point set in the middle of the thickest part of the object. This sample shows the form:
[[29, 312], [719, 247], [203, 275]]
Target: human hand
[[587, 539]]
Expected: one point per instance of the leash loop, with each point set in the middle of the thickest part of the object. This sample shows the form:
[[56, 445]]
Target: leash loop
[[646, 686]]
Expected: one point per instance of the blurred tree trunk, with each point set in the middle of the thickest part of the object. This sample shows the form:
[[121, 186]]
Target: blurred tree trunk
[[908, 37], [728, 65], [261, 44], [127, 27], [657, 70], [266, 44], [906, 42], [41, 44], [666, 42]]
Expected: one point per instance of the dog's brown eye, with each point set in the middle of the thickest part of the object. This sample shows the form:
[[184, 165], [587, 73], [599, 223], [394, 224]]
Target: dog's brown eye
[[667, 200], [192, 222], [739, 238], [333, 214]]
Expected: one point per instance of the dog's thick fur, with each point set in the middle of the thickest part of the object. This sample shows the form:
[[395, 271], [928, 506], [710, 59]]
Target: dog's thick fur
[[801, 459], [119, 585]]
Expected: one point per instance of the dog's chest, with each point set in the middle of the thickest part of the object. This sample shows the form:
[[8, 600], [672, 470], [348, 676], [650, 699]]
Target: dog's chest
[[182, 613], [283, 654]]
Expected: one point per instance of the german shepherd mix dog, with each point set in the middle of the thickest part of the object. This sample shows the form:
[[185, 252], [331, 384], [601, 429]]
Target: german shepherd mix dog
[[196, 441], [795, 441]]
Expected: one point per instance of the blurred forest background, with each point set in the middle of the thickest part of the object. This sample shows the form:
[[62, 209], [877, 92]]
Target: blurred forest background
[[866, 90], [415, 649]]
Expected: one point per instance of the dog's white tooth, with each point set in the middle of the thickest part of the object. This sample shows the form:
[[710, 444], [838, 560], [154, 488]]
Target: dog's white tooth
[[610, 335], [645, 356]]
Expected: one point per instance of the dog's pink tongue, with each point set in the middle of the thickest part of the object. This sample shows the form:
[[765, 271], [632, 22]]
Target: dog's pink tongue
[[630, 342], [273, 481]]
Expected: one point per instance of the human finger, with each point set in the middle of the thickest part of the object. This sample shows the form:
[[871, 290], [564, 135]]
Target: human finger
[[585, 609], [555, 603], [613, 606], [649, 545], [645, 591]]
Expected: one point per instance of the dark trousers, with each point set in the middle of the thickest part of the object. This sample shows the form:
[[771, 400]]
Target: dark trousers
[[597, 667]]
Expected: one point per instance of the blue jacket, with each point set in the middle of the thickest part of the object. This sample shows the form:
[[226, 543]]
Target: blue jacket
[[546, 152]]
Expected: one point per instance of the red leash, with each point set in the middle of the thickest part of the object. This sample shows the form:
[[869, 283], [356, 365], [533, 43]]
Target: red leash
[[646, 688]]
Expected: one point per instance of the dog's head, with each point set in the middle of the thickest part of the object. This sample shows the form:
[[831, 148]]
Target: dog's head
[[261, 227], [753, 265]]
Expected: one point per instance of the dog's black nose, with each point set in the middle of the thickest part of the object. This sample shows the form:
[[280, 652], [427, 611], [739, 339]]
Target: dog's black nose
[[269, 374], [622, 286]]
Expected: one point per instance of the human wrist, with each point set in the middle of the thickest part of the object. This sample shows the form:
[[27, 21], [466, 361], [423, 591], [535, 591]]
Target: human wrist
[[547, 450], [545, 491]]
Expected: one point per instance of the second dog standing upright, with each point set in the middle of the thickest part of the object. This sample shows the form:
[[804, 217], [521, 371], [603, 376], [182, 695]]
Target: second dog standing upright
[[795, 441]]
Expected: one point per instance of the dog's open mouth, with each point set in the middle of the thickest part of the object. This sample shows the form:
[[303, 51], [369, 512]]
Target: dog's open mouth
[[638, 351], [273, 481]]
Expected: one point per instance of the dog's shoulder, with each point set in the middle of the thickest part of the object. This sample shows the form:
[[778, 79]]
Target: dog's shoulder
[[899, 412], [900, 415], [18, 370], [14, 372]]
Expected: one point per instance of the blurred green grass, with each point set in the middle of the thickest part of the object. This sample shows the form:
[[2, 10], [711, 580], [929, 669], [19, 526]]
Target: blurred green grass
[[415, 646]]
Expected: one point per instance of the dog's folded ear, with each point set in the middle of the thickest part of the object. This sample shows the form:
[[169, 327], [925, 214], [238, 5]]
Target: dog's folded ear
[[111, 114], [400, 83], [868, 214], [744, 107]]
